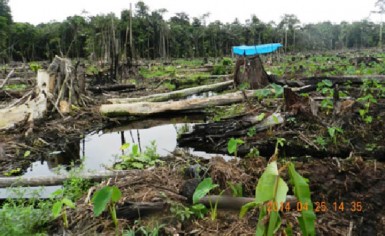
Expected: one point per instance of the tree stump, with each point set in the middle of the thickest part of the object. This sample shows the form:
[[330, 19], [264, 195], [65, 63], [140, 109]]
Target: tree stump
[[67, 87], [251, 71]]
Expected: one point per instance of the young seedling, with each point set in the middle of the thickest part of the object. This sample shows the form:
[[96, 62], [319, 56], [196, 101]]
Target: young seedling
[[58, 209], [202, 190], [104, 198], [270, 198], [232, 145]]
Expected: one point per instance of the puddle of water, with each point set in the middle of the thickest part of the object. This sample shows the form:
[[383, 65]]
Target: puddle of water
[[100, 150]]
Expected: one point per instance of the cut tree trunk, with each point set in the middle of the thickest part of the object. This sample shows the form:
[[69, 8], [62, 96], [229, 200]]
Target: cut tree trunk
[[251, 71], [59, 179], [65, 83], [150, 108], [175, 94]]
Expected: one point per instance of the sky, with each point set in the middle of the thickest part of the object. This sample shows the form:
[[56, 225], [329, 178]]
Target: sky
[[307, 11]]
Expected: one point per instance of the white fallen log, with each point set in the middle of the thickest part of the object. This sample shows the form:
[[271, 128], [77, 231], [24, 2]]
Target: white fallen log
[[174, 94], [149, 108], [32, 109], [59, 179]]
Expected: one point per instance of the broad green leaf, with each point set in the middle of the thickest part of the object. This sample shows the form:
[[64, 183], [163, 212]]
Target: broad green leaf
[[245, 208], [56, 209], [100, 199], [271, 186], [274, 223], [116, 194], [232, 145], [202, 189], [261, 116], [137, 165], [124, 146], [278, 89], [58, 192], [27, 153], [135, 150], [327, 82], [332, 132], [261, 226], [302, 192], [199, 210], [68, 203]]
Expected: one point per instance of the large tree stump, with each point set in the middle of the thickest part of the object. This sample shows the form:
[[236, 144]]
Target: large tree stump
[[251, 71], [67, 86]]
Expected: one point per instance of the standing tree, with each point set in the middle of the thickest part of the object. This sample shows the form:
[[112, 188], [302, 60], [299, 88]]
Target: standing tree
[[289, 24], [380, 9], [5, 28]]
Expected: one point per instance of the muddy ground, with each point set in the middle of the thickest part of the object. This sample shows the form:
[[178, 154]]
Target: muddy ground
[[332, 181]]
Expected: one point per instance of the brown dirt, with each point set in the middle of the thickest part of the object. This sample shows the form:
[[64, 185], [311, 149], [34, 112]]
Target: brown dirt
[[332, 181]]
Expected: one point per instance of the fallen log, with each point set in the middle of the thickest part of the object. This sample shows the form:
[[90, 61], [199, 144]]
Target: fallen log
[[236, 203], [132, 210], [148, 123], [175, 94], [112, 87], [59, 179], [355, 79], [32, 109], [6, 79], [150, 108], [215, 135]]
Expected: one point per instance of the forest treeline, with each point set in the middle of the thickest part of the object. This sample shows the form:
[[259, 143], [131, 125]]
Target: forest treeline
[[142, 33]]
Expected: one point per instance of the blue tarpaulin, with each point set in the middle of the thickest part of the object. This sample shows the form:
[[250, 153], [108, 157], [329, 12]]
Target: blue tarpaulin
[[256, 49]]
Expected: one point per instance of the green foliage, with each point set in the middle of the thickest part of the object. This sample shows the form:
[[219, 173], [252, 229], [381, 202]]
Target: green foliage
[[24, 217], [57, 209], [326, 88], [254, 152], [270, 197], [273, 189], [224, 68], [334, 132], [272, 90], [26, 154], [302, 193], [251, 132], [34, 66], [138, 229], [136, 159], [104, 198], [181, 212], [232, 145], [13, 172], [199, 210], [169, 86], [92, 70], [203, 189], [321, 141], [75, 187], [15, 87], [236, 189], [227, 111]]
